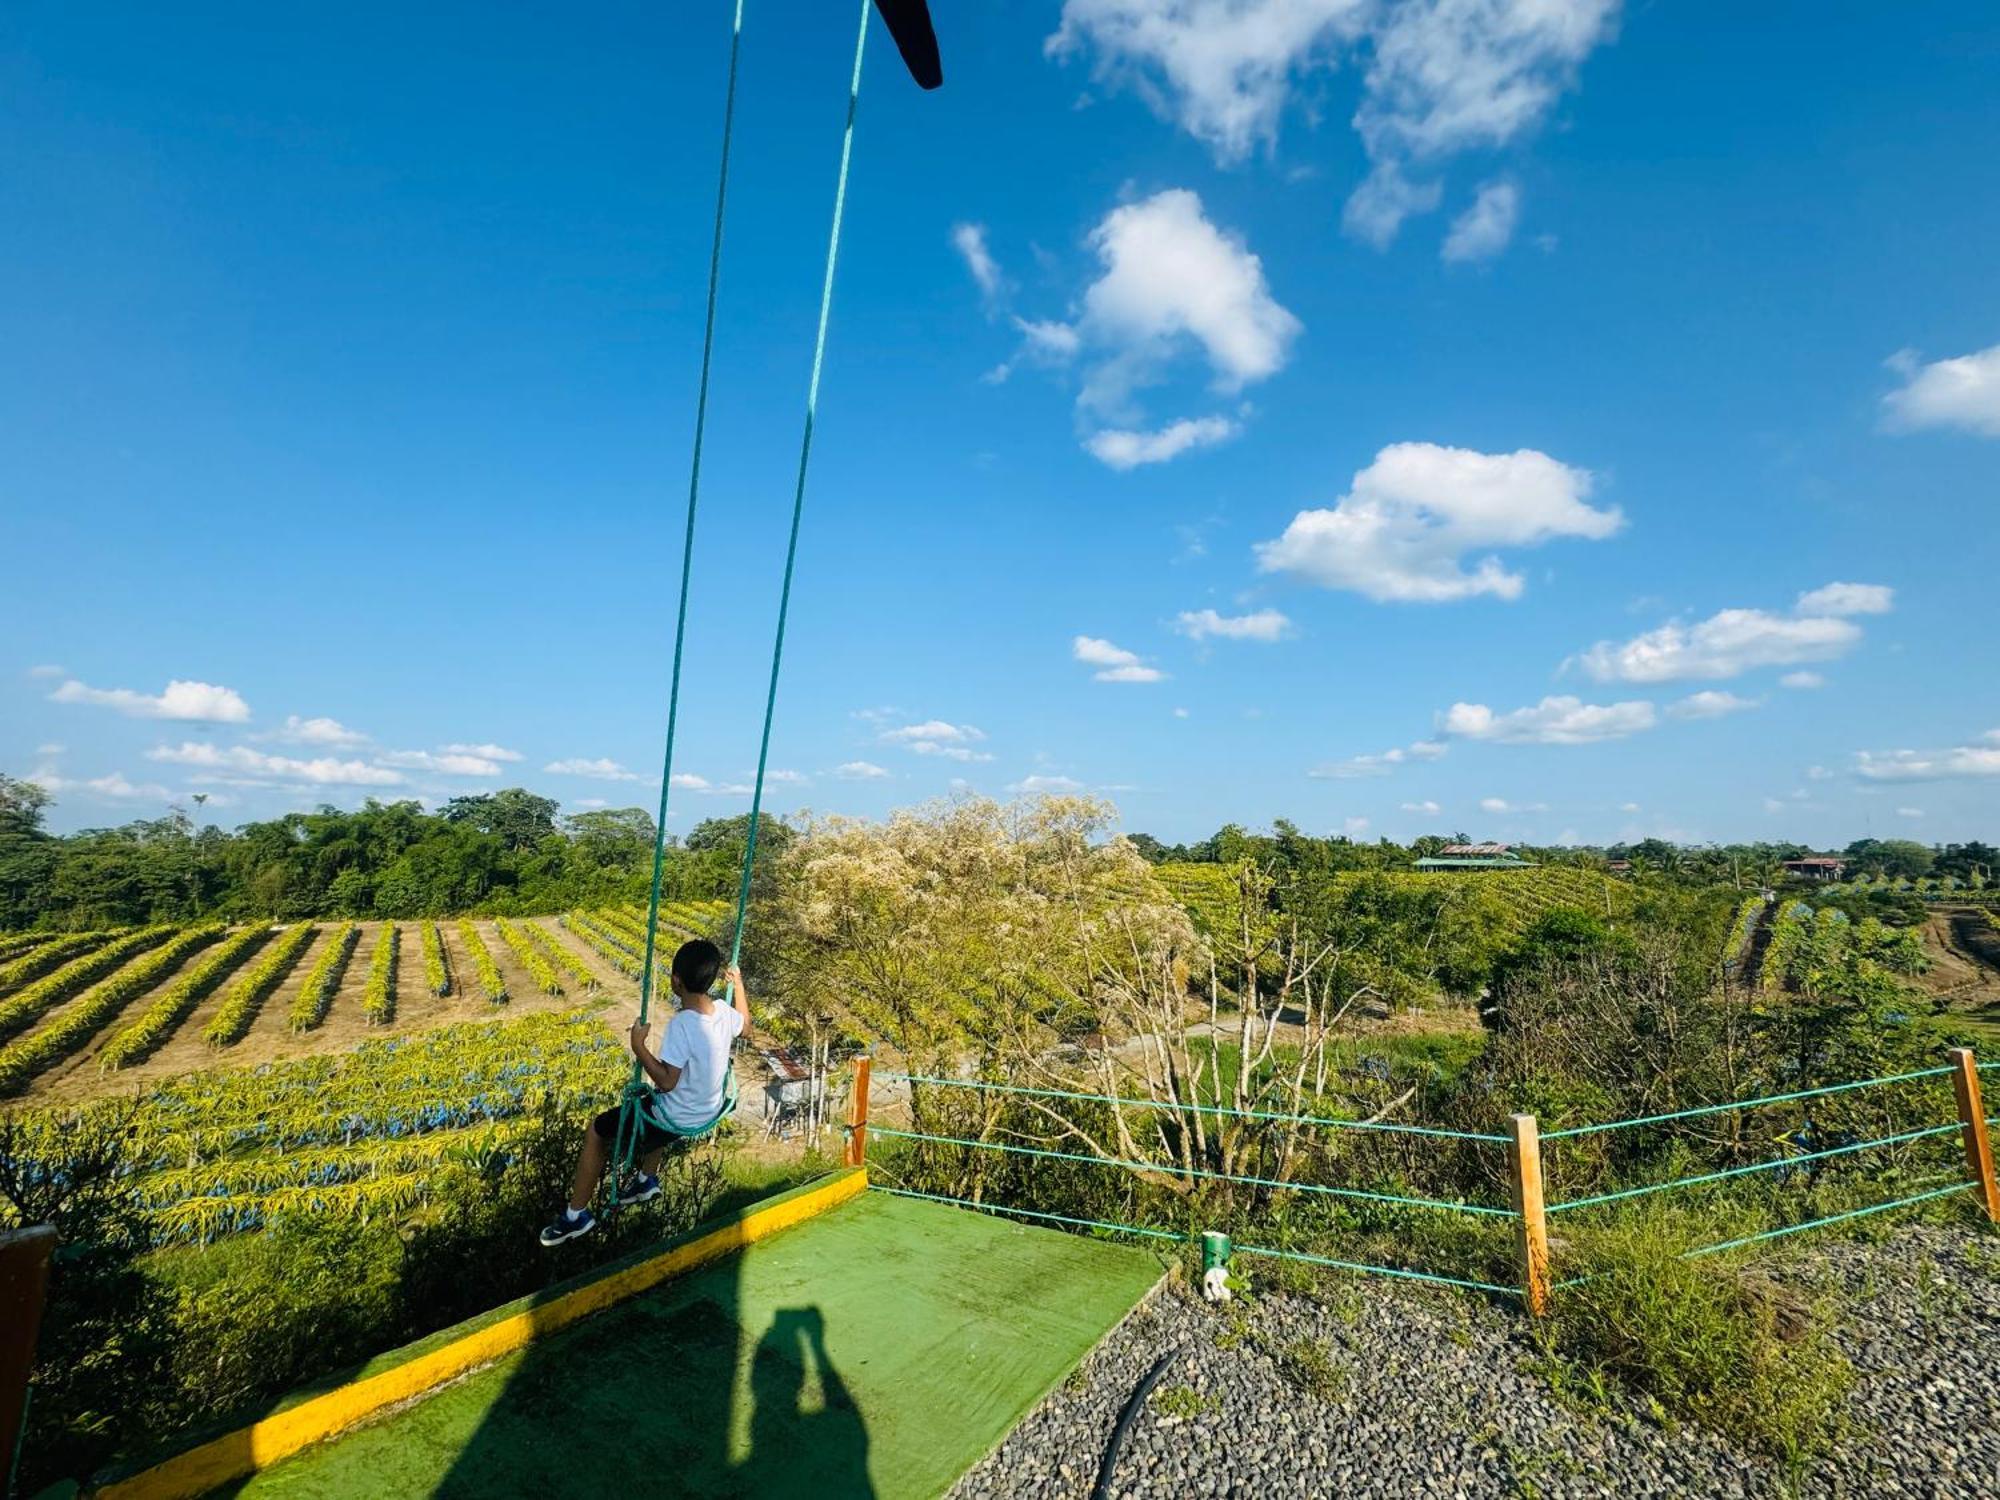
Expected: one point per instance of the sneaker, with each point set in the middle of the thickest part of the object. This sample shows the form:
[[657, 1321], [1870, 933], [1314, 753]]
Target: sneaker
[[640, 1187], [568, 1226]]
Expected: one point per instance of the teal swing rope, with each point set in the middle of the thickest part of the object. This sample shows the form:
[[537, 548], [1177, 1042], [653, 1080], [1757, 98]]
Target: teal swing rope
[[635, 1089]]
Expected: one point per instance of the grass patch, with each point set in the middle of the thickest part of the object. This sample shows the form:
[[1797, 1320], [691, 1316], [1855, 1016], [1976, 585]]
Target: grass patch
[[1708, 1339], [1183, 1402], [1308, 1364]]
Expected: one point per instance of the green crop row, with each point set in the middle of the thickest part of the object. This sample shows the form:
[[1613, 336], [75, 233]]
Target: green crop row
[[565, 961], [606, 944], [315, 996], [378, 998], [160, 1019], [490, 983], [44, 955], [241, 1001], [531, 957], [27, 1006], [437, 971], [23, 1059]]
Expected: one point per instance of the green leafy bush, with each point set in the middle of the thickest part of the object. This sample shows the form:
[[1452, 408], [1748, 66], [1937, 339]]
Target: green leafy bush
[[1706, 1338]]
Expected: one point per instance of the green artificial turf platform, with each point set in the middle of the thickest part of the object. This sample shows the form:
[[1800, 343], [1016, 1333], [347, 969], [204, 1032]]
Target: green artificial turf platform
[[880, 1350]]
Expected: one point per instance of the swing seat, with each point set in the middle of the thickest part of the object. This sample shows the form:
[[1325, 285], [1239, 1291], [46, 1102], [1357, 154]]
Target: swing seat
[[643, 1097]]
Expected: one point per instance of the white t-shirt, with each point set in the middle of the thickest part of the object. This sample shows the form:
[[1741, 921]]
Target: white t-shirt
[[698, 1045]]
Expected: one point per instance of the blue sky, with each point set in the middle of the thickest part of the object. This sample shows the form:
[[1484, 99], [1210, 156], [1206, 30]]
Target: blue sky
[[1512, 381]]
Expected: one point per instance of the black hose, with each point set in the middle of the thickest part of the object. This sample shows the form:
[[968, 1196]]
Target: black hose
[[1107, 1470]]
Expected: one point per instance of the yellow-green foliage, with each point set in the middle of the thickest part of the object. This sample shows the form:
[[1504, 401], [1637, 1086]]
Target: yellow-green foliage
[[564, 960], [160, 1019], [490, 983], [43, 955], [437, 973], [241, 1001], [358, 1133], [531, 957], [378, 998], [23, 1059], [315, 996], [21, 1009], [614, 947]]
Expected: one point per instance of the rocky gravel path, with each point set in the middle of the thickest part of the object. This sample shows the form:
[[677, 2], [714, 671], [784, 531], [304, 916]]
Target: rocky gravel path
[[1374, 1389]]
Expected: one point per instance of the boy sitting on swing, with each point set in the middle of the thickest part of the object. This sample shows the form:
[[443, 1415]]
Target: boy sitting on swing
[[690, 1078]]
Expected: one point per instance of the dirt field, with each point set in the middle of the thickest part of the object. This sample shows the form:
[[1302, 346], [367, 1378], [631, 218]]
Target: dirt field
[[1965, 967], [270, 1036]]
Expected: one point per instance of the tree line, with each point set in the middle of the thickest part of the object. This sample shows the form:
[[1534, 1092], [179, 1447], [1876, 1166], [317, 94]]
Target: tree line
[[506, 852], [1286, 848]]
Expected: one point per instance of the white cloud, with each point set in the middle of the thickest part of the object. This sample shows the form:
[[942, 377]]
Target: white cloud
[[602, 769], [1358, 766], [1847, 599], [1259, 625], [255, 765], [1045, 785], [202, 702], [1180, 713], [1961, 762], [1403, 530], [938, 738], [45, 670], [330, 733], [1628, 807], [1443, 75], [1220, 69], [1354, 827], [970, 242], [589, 802], [1710, 704], [1376, 210], [1121, 448], [687, 781], [1428, 808], [1497, 805], [1802, 680], [1115, 664], [1818, 773], [1909, 812], [484, 752], [445, 763], [1962, 392], [860, 770], [1726, 644], [50, 749], [1050, 340], [1556, 720], [1172, 277], [114, 785], [788, 778], [1484, 229]]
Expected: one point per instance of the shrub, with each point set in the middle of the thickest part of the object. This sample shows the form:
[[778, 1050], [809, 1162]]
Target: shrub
[[1704, 1338], [437, 972]]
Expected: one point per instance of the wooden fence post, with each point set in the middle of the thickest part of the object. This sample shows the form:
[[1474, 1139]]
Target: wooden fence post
[[857, 1115], [1531, 1225], [24, 1285], [1972, 1130]]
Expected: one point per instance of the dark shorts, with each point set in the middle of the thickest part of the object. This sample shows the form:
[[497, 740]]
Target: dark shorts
[[651, 1137]]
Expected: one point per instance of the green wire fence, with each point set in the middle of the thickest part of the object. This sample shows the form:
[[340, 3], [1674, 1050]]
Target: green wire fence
[[1529, 1211]]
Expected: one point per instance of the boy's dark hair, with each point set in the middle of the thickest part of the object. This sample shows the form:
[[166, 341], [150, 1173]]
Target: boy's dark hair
[[696, 964]]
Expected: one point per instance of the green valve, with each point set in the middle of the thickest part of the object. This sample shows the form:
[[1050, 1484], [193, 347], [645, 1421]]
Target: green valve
[[1215, 1265]]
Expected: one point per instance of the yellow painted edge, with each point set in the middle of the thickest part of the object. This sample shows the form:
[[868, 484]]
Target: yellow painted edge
[[238, 1454]]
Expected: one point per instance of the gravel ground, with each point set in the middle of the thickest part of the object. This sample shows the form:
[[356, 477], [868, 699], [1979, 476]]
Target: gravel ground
[[1373, 1388]]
